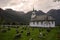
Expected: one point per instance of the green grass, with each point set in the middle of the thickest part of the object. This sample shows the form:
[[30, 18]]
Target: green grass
[[9, 35]]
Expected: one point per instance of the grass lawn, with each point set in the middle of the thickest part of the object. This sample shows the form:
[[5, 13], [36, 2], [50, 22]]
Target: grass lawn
[[34, 33]]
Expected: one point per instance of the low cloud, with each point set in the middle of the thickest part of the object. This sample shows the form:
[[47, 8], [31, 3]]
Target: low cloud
[[26, 5]]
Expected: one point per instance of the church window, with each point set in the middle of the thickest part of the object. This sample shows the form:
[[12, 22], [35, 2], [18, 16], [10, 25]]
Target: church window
[[42, 22], [49, 23], [52, 22], [33, 22], [37, 22]]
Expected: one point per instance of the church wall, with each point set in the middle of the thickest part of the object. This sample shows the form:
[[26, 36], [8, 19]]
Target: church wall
[[52, 24], [43, 24]]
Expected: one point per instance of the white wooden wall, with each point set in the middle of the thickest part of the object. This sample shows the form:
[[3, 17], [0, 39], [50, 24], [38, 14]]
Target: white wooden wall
[[43, 24]]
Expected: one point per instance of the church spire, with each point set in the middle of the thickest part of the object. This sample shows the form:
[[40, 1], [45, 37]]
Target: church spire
[[33, 14], [33, 11], [33, 8]]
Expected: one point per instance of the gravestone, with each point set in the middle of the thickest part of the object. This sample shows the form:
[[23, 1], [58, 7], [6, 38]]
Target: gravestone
[[22, 27], [31, 39], [28, 33], [21, 31], [17, 36], [25, 28], [17, 31], [41, 35], [3, 30], [17, 27], [48, 29], [9, 28]]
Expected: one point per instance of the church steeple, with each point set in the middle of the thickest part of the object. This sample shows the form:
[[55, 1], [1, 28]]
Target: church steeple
[[33, 14], [33, 9]]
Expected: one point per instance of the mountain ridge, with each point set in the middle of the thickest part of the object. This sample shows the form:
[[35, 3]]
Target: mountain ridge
[[19, 17]]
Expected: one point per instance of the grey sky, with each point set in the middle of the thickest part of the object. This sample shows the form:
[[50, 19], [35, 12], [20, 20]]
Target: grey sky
[[27, 5], [4, 2]]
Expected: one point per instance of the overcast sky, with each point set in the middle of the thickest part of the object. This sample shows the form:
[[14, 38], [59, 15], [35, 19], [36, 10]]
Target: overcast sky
[[27, 5]]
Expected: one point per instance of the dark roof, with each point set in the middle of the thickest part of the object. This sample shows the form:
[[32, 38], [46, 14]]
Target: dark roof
[[43, 18]]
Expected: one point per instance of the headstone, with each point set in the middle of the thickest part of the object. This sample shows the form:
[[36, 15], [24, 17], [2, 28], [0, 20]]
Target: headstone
[[21, 31], [31, 39], [9, 28], [18, 36], [17, 26], [3, 30], [48, 29], [17, 31], [22, 27], [43, 34], [40, 35], [25, 28], [28, 33]]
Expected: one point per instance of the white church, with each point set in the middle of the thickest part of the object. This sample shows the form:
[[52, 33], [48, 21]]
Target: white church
[[41, 21]]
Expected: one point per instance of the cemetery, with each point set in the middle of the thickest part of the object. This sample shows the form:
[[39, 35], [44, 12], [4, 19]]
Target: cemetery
[[23, 32], [29, 20]]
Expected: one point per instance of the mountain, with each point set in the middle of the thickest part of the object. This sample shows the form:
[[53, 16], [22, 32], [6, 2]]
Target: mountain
[[56, 14], [12, 16], [28, 14]]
